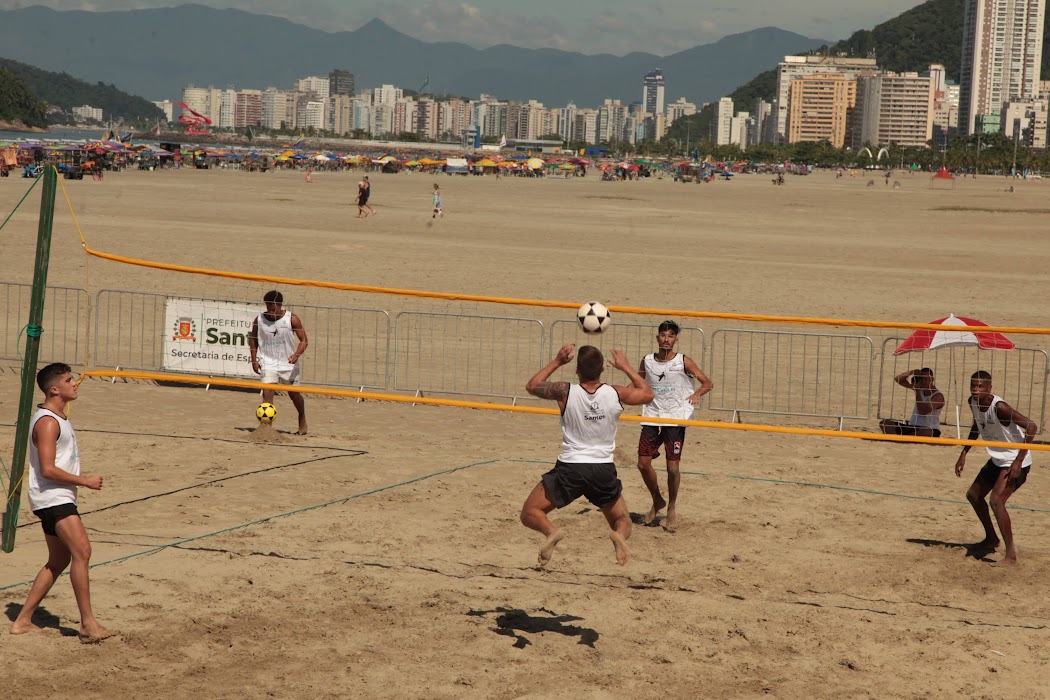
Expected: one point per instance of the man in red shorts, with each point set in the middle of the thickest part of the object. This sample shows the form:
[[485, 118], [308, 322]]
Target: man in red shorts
[[670, 375]]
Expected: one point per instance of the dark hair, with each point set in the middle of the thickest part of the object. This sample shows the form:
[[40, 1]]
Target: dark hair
[[48, 377], [668, 326], [981, 375], [273, 297], [924, 372], [589, 363]]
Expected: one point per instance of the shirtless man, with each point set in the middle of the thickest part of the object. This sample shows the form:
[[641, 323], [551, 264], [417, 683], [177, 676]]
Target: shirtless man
[[589, 414]]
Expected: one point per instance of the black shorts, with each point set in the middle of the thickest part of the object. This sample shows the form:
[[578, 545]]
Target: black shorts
[[49, 517], [672, 437], [990, 472], [567, 482], [909, 429]]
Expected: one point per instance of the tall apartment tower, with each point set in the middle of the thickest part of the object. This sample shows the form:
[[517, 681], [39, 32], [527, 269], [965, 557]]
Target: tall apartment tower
[[724, 121], [653, 92], [341, 82], [1002, 53]]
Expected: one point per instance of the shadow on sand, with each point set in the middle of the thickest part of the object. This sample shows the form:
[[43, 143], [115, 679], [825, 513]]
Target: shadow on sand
[[977, 550], [510, 622]]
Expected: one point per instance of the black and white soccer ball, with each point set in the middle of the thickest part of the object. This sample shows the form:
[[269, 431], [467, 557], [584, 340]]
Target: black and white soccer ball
[[594, 317]]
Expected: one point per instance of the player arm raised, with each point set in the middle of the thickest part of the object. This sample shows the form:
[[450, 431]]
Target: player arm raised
[[539, 387], [904, 379], [300, 333], [696, 373], [45, 435], [639, 392]]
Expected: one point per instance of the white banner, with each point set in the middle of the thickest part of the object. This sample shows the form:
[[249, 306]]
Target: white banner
[[209, 337]]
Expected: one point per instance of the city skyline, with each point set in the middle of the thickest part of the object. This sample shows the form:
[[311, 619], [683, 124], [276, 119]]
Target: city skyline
[[590, 26]]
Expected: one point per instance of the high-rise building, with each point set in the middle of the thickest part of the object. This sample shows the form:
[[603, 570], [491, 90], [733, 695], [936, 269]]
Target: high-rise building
[[724, 121], [761, 115], [612, 118], [797, 66], [1002, 54], [894, 108], [315, 86], [206, 101], [945, 103], [247, 108], [653, 92], [168, 107], [738, 129], [677, 110], [387, 95], [227, 109], [586, 128], [340, 82], [275, 110], [566, 122], [1025, 122], [342, 114], [820, 108]]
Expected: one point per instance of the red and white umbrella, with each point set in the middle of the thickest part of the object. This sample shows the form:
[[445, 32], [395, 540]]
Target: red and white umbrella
[[933, 340]]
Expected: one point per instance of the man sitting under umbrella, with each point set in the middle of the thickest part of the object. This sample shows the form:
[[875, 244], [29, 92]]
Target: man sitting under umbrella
[[926, 417]]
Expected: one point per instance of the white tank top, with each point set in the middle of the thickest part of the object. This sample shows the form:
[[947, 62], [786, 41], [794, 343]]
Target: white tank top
[[277, 342], [671, 386], [931, 420], [992, 429], [44, 493], [588, 425]]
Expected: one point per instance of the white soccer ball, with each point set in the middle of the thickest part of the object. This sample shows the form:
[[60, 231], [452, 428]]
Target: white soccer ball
[[594, 317]]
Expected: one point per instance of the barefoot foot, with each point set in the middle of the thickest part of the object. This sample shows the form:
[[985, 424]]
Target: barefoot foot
[[1006, 562], [95, 634], [620, 545], [671, 523], [658, 505], [302, 427], [25, 628], [547, 550]]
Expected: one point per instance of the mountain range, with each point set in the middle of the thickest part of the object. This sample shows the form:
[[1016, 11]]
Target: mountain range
[[156, 52]]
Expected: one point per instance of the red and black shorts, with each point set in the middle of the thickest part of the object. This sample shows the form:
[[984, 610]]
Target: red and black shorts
[[672, 437]]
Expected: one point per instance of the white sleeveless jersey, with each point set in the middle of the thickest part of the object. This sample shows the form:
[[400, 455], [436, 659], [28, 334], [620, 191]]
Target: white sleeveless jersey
[[932, 420], [588, 425], [993, 429], [44, 493], [277, 342], [671, 386]]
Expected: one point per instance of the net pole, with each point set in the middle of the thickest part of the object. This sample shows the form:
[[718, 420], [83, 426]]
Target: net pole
[[29, 359]]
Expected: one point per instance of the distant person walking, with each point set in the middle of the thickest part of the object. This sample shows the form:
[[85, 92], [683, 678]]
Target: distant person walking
[[364, 191], [437, 202]]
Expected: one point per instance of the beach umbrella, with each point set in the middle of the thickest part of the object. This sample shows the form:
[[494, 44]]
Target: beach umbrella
[[534, 164], [959, 331], [967, 334]]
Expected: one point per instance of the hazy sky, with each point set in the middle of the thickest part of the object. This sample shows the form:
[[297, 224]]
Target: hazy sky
[[591, 26]]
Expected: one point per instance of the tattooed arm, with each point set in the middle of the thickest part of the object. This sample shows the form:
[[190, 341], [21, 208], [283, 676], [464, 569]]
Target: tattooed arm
[[539, 387]]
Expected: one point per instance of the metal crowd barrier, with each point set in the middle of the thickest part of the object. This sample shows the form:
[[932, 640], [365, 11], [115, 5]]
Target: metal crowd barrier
[[460, 354], [636, 340], [789, 373], [1018, 375], [348, 346], [65, 323]]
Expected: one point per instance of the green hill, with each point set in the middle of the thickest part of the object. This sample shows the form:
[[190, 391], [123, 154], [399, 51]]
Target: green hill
[[64, 92], [18, 104], [929, 33]]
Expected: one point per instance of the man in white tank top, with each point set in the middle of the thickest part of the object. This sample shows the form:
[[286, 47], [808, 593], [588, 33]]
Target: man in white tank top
[[276, 343], [670, 375], [54, 475], [1006, 469], [589, 414], [926, 416]]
